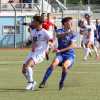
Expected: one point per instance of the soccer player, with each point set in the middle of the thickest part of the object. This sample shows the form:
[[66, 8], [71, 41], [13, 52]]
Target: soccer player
[[89, 40], [97, 23], [64, 53], [98, 34], [49, 25], [98, 30], [84, 32], [39, 40]]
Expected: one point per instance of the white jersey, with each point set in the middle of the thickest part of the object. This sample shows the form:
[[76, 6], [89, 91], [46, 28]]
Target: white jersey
[[92, 29], [88, 28], [40, 39], [39, 45]]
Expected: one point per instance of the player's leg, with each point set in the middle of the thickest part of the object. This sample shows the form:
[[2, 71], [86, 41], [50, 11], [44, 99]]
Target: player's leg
[[66, 66], [87, 50], [25, 65], [28, 73], [96, 51], [49, 71]]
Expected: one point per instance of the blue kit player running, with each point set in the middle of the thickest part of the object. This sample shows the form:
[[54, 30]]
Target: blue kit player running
[[65, 53]]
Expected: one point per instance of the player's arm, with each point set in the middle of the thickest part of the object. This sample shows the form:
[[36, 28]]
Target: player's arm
[[89, 34], [50, 39], [63, 34], [28, 42], [72, 45]]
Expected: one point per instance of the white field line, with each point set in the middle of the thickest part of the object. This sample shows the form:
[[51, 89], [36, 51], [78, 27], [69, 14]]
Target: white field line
[[81, 63], [72, 72], [10, 62]]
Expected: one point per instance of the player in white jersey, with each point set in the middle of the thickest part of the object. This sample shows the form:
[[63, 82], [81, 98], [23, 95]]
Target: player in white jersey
[[88, 37], [39, 39]]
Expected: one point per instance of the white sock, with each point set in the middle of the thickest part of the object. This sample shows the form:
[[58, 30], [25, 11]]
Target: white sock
[[96, 51], [26, 75], [90, 51], [29, 74], [87, 50]]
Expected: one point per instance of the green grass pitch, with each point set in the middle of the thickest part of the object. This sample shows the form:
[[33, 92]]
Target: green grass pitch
[[83, 82]]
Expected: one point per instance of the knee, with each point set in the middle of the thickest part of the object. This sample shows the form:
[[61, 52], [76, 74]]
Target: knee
[[66, 66], [64, 69], [24, 68], [53, 66]]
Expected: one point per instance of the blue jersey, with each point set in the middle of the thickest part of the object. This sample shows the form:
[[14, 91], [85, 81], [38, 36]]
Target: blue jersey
[[66, 42]]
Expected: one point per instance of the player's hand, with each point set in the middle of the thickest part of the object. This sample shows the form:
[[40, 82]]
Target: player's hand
[[56, 50]]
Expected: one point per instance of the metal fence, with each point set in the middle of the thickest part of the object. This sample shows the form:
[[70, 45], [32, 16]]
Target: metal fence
[[13, 33]]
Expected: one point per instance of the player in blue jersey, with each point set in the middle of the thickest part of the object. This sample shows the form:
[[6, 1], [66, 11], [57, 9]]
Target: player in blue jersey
[[65, 53], [98, 30]]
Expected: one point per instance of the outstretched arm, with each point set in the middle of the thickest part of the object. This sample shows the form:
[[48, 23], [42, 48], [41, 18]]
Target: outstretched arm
[[72, 45]]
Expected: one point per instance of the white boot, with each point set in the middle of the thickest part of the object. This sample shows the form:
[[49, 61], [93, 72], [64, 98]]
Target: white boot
[[31, 86]]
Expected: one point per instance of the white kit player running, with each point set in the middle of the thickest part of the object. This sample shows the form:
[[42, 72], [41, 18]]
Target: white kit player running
[[88, 38], [40, 38]]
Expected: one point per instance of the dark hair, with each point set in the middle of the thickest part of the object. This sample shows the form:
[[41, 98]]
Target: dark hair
[[66, 19], [48, 14], [86, 14], [80, 22], [38, 19]]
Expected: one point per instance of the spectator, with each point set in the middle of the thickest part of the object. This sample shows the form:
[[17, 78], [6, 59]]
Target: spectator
[[49, 23], [29, 3], [97, 23], [97, 33]]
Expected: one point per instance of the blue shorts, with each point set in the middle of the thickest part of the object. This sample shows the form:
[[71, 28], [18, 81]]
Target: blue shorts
[[62, 58]]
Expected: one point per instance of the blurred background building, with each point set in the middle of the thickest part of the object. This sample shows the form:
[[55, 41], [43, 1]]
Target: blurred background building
[[15, 12]]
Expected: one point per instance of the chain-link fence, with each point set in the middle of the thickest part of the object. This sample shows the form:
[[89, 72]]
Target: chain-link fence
[[77, 12], [13, 33]]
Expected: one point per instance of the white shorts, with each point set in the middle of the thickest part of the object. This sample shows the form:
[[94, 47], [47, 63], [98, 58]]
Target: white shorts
[[85, 41], [37, 56]]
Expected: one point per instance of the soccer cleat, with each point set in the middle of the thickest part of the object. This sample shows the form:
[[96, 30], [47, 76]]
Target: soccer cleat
[[42, 85], [61, 85], [85, 59], [34, 85], [31, 85]]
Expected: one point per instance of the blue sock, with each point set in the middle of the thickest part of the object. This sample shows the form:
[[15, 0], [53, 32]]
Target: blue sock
[[47, 74], [63, 77]]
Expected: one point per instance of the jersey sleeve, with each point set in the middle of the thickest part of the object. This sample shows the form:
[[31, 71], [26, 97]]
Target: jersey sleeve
[[94, 27], [59, 31], [48, 35]]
